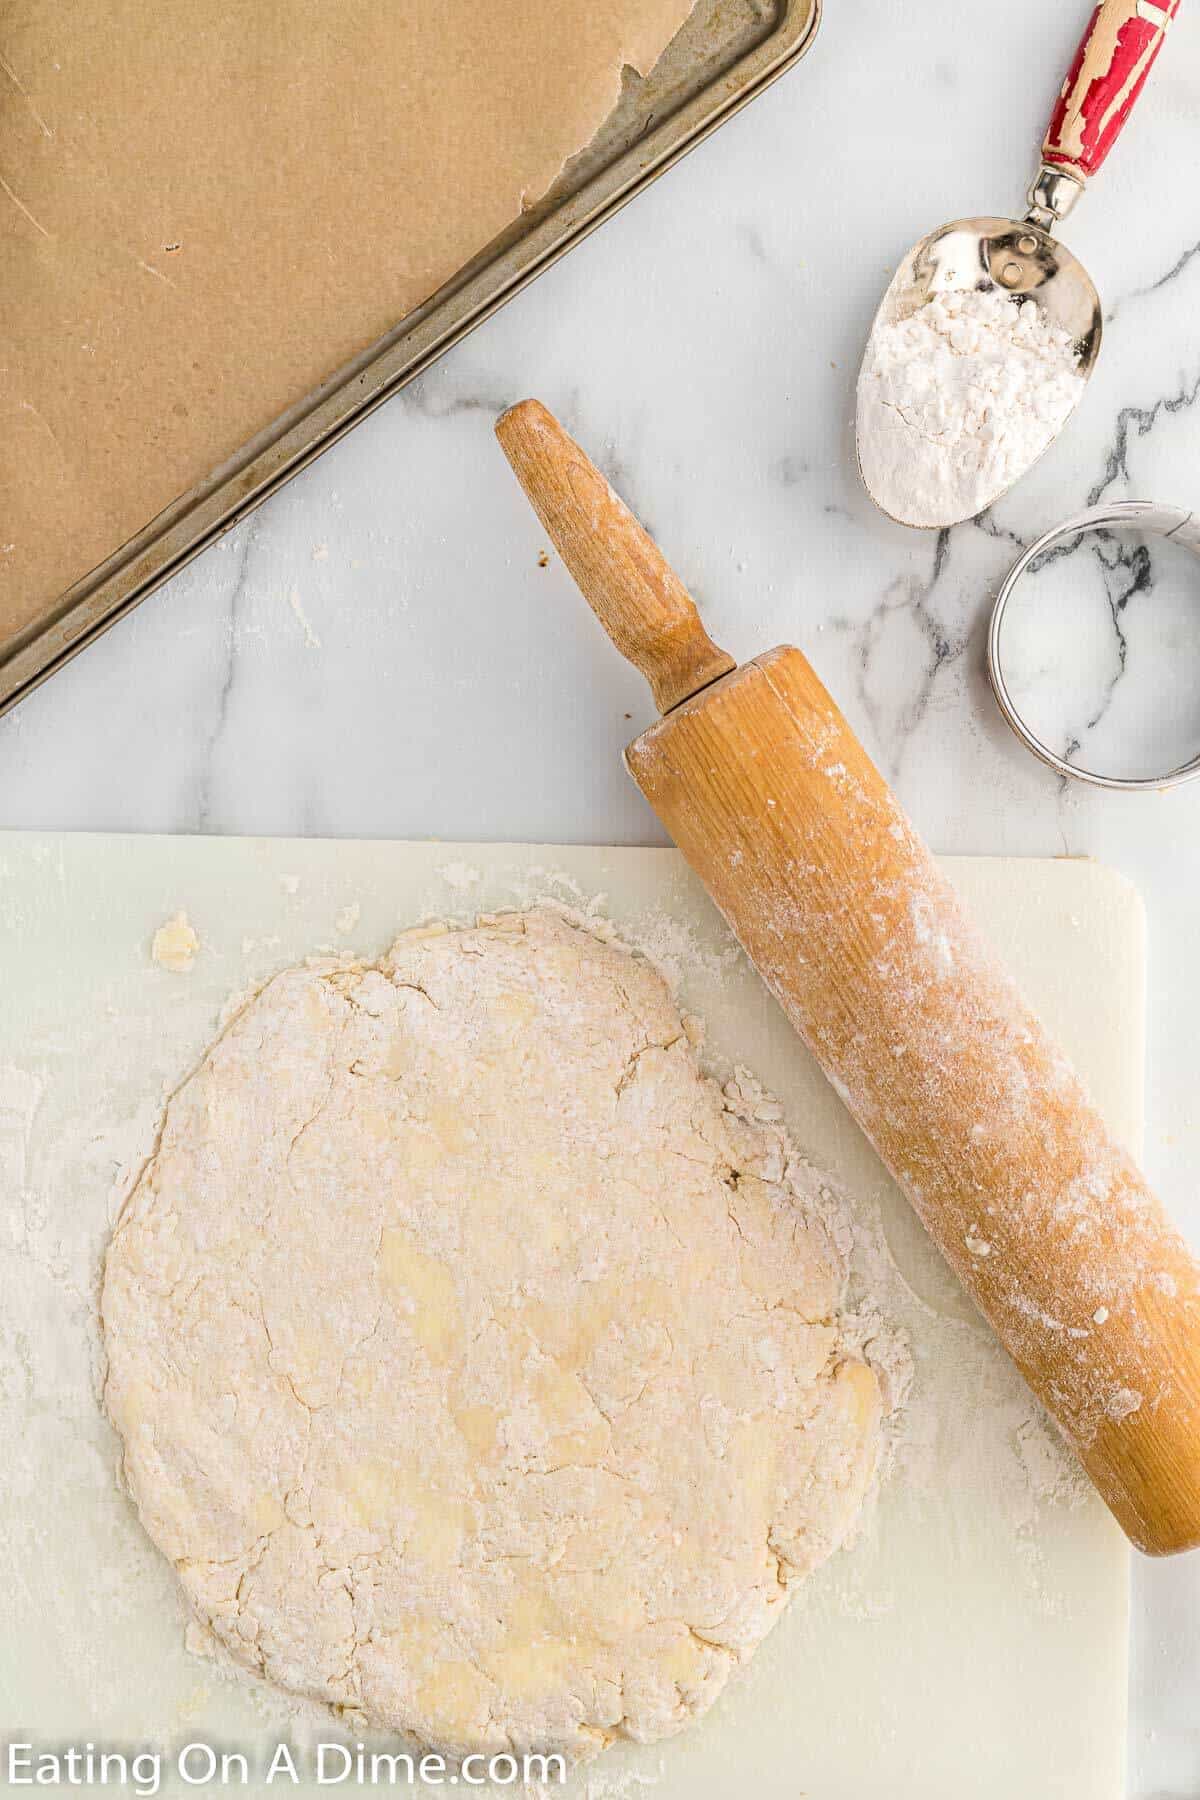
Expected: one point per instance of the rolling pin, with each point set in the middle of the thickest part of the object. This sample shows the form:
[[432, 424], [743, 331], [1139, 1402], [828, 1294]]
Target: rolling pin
[[974, 1110]]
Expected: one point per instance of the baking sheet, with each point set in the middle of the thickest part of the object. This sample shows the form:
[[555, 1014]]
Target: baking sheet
[[727, 51], [972, 1643]]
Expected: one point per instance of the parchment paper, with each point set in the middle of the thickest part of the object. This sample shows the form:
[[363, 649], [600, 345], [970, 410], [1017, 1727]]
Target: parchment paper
[[207, 207]]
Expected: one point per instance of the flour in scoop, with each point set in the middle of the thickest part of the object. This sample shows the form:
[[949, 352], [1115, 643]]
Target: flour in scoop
[[957, 400]]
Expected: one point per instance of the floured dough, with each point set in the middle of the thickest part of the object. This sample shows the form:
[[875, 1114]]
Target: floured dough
[[478, 1362]]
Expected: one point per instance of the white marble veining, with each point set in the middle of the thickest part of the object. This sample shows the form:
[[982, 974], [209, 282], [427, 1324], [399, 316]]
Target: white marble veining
[[379, 652]]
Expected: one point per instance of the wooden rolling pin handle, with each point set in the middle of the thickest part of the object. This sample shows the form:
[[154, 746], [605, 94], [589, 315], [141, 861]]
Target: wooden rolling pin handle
[[1045, 1219], [635, 594]]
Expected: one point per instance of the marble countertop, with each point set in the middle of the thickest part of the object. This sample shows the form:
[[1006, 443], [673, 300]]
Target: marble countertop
[[378, 651]]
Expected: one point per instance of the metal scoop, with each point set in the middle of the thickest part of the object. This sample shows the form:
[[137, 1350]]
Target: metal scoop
[[1020, 258]]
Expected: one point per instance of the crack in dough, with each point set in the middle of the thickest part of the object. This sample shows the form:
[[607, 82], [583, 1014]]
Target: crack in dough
[[478, 1361]]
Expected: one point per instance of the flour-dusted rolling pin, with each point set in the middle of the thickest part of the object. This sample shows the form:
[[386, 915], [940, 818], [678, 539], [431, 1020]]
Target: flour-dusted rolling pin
[[773, 801]]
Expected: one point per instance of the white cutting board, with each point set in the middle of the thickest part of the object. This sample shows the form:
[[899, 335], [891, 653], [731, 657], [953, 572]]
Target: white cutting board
[[972, 1643]]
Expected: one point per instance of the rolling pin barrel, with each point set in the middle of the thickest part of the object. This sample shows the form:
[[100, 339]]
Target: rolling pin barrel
[[976, 1113]]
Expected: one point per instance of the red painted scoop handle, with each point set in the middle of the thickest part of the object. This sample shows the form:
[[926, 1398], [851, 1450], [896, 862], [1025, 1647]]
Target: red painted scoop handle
[[1109, 72]]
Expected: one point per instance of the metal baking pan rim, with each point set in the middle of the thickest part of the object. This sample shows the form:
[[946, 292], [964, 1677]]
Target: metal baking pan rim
[[289, 443]]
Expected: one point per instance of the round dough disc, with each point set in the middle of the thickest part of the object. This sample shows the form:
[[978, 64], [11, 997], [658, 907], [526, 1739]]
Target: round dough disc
[[477, 1359]]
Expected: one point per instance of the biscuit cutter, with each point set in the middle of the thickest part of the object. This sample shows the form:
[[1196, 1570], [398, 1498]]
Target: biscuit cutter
[[1177, 525]]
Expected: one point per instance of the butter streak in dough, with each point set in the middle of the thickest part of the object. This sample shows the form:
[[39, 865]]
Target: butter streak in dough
[[478, 1361]]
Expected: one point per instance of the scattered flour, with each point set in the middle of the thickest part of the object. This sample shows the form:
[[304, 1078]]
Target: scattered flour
[[311, 640], [1054, 1473], [251, 944], [20, 1094], [958, 400], [673, 947], [623, 1784], [459, 875]]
